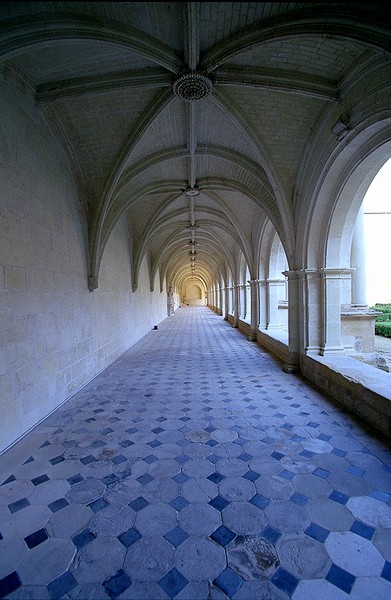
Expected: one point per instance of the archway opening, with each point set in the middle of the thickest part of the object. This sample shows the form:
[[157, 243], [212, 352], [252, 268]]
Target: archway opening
[[377, 227], [194, 294]]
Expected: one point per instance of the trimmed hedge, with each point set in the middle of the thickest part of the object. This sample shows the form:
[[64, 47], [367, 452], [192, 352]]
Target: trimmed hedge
[[384, 308], [383, 318], [383, 329], [383, 321]]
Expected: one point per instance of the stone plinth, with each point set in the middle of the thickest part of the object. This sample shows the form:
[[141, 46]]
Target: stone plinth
[[358, 328]]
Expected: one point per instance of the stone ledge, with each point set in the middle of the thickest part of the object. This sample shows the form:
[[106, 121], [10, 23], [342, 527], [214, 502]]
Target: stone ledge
[[362, 389], [275, 343]]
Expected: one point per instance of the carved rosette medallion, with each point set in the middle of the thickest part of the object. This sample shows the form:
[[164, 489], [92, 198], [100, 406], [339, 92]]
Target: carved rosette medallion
[[192, 86]]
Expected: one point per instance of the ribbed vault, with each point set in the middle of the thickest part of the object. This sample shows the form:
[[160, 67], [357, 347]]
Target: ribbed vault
[[197, 135]]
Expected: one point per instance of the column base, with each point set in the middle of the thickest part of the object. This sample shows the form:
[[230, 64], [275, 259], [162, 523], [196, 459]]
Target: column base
[[290, 368], [332, 351]]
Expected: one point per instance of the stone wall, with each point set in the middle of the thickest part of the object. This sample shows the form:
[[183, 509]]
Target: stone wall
[[55, 335]]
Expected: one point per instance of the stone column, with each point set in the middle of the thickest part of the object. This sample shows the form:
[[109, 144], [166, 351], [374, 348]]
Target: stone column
[[310, 298], [245, 307], [358, 262], [242, 302], [226, 303], [236, 304], [332, 284], [254, 295], [295, 321], [262, 303]]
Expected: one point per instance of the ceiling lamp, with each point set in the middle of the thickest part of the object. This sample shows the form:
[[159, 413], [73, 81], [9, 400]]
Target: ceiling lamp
[[192, 86]]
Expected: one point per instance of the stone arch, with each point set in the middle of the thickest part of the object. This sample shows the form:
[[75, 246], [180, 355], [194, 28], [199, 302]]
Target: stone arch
[[326, 285]]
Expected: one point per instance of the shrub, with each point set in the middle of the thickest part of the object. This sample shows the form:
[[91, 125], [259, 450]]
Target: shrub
[[384, 308], [383, 329], [383, 318]]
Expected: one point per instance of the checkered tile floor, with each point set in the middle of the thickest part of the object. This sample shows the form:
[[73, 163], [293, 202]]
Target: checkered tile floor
[[195, 468]]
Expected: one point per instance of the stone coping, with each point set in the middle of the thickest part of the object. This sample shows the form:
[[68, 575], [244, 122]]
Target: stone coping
[[362, 389]]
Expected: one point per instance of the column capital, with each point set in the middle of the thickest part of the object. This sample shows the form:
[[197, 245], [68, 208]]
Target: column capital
[[335, 273], [275, 281], [324, 272]]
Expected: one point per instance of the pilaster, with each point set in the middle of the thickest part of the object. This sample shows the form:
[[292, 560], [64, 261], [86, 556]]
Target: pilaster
[[332, 283], [254, 300]]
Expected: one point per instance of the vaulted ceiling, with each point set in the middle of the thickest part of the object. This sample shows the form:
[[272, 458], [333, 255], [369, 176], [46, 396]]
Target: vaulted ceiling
[[190, 120]]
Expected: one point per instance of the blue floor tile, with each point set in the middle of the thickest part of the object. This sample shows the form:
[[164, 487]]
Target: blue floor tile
[[173, 583], [59, 587], [9, 584], [229, 582], [363, 530], [129, 537], [340, 578], [219, 502], [223, 536], [117, 584], [338, 497], [285, 581], [317, 532]]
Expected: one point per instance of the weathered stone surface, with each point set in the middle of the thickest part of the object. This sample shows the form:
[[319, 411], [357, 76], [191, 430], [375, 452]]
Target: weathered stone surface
[[252, 557], [354, 554], [243, 518], [69, 520], [149, 562], [53, 556], [370, 511], [199, 559], [98, 560], [86, 491], [197, 436], [303, 556]]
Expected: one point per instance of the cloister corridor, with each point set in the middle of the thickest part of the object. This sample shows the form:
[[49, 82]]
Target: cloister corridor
[[194, 467]]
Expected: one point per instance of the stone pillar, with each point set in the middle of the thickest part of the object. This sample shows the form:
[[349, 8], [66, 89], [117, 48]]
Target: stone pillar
[[358, 262], [247, 291], [220, 291], [254, 300], [310, 298], [295, 321], [275, 288], [332, 283], [236, 304], [226, 303], [262, 303], [242, 302], [170, 301]]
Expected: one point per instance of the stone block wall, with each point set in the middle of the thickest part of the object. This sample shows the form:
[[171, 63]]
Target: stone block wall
[[55, 335]]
